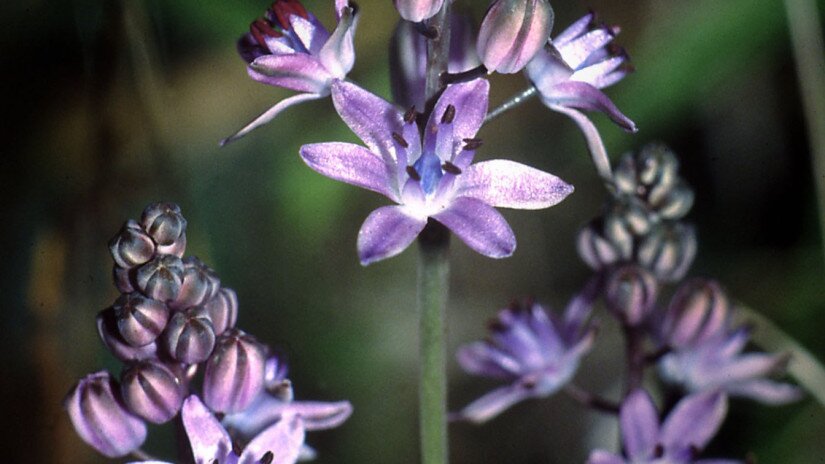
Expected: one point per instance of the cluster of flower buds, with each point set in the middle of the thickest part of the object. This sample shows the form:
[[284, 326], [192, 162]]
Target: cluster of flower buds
[[172, 321]]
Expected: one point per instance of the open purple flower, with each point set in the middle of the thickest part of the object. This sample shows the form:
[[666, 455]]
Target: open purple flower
[[278, 444], [536, 351], [685, 431], [433, 178], [290, 48]]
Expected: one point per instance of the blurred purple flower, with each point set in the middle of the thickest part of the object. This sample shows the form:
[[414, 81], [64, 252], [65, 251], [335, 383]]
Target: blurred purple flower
[[290, 48], [536, 351], [429, 179], [685, 431]]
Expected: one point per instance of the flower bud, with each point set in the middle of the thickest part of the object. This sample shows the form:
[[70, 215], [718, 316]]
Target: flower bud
[[140, 320], [110, 335], [124, 279], [600, 249], [164, 222], [189, 337], [698, 311], [668, 251], [199, 285], [626, 220], [631, 294], [222, 310], [100, 418], [417, 10], [161, 278], [512, 32], [234, 373], [652, 176], [132, 246], [152, 391]]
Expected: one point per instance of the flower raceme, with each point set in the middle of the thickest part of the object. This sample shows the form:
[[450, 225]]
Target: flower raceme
[[429, 176], [290, 48]]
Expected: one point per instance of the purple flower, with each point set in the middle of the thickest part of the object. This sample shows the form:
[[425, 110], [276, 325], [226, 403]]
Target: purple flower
[[707, 353], [536, 351], [290, 48], [685, 431], [280, 443], [512, 33], [433, 178], [417, 10]]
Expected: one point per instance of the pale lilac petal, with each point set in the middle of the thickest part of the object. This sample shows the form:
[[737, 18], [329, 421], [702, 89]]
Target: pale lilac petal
[[584, 96], [312, 34], [283, 440], [320, 415], [547, 69], [350, 163], [747, 366], [481, 359], [270, 114], [470, 101], [207, 436], [264, 411], [603, 457], [579, 49], [338, 53], [417, 10], [596, 74], [480, 226], [694, 421], [372, 118], [507, 184], [386, 232], [579, 308], [493, 403], [339, 7], [766, 391], [574, 30], [297, 71], [639, 423], [594, 141]]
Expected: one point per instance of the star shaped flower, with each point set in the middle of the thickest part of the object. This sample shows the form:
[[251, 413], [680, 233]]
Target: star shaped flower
[[429, 176]]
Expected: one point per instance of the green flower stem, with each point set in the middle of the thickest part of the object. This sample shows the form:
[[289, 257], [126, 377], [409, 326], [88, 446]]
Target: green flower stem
[[433, 290]]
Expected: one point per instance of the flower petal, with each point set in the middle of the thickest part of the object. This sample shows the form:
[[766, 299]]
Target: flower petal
[[574, 30], [482, 359], [350, 163], [694, 421], [603, 457], [320, 415], [386, 232], [470, 100], [584, 96], [372, 118], [639, 423], [338, 53], [283, 440], [270, 114], [507, 184], [594, 141], [207, 436], [312, 34], [480, 226], [766, 391], [493, 403], [297, 71]]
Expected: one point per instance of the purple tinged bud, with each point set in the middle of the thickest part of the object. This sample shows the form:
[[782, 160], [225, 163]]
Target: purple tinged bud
[[107, 328], [124, 279], [132, 246], [101, 419], [512, 32], [222, 310], [668, 251], [189, 337], [164, 222], [161, 278], [417, 10], [698, 311], [140, 320], [199, 285], [630, 293], [600, 249], [152, 391], [652, 176], [234, 373]]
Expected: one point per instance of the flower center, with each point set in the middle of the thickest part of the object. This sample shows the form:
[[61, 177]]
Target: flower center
[[275, 22]]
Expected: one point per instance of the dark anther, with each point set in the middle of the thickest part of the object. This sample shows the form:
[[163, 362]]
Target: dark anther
[[658, 451], [451, 168], [215, 461], [515, 305], [495, 325], [449, 115], [267, 458], [400, 139], [430, 32], [472, 144], [529, 383], [694, 451], [413, 173], [409, 116], [236, 448]]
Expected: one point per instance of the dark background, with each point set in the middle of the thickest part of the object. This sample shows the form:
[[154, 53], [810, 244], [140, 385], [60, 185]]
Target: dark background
[[111, 105]]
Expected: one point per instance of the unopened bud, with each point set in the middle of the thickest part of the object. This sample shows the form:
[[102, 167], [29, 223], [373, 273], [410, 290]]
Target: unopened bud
[[234, 373], [199, 285], [189, 337], [512, 32], [132, 246], [110, 335], [164, 222], [631, 294], [222, 310], [698, 311], [101, 419], [652, 176], [124, 279], [152, 391], [160, 278], [417, 10], [140, 320], [599, 249], [668, 251]]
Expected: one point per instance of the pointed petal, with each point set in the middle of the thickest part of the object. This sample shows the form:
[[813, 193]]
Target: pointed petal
[[296, 71], [574, 30], [338, 53], [747, 366], [207, 436], [482, 359], [766, 391], [580, 307], [372, 118], [470, 100], [270, 114], [694, 420], [507, 184], [319, 415], [576, 51], [386, 232], [584, 96], [594, 141], [493, 403], [312, 34], [639, 423], [596, 74], [603, 457], [350, 163], [480, 226], [283, 440]]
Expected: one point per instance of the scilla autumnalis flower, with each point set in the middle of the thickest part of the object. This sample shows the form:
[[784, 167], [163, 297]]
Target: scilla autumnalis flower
[[290, 48], [429, 178], [512, 33]]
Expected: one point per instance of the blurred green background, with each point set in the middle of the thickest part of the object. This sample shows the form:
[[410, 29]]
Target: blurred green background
[[110, 105]]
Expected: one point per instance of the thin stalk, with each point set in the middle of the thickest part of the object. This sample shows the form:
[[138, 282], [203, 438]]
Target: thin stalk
[[511, 103], [809, 53], [438, 51], [591, 400], [635, 358]]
